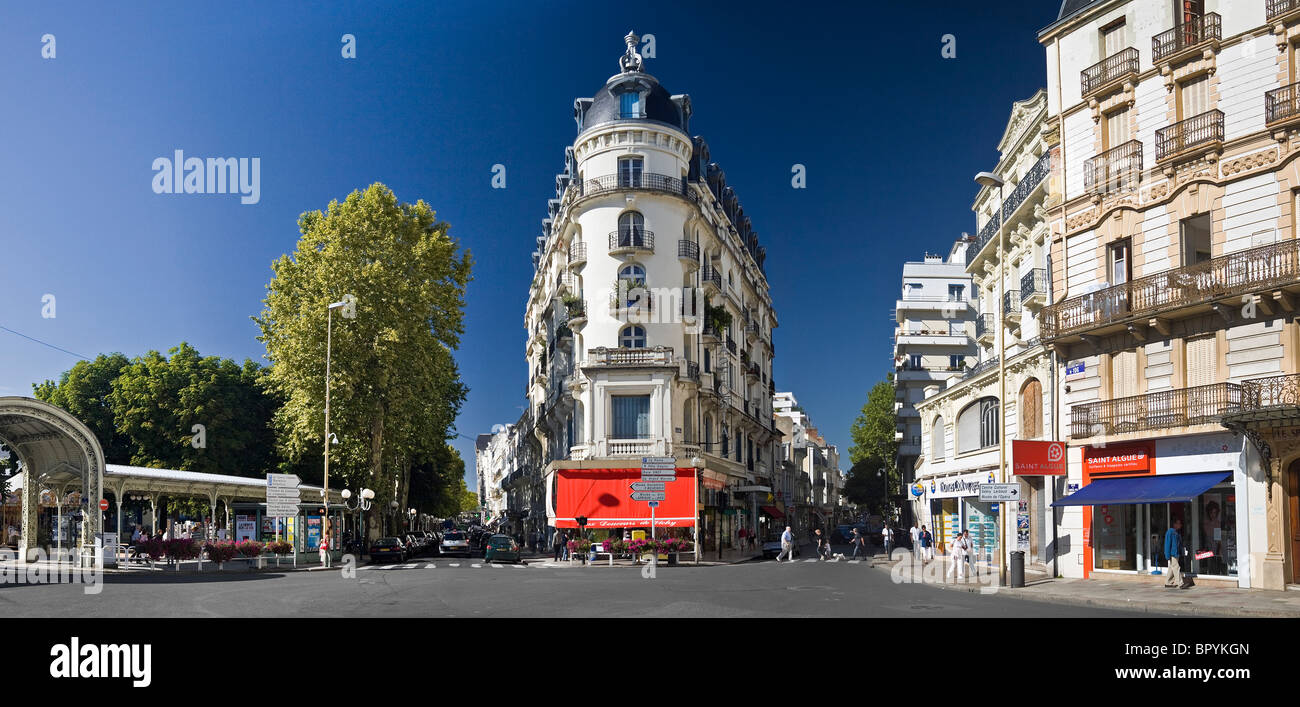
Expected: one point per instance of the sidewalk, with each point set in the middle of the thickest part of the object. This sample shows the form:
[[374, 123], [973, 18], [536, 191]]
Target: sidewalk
[[1200, 600]]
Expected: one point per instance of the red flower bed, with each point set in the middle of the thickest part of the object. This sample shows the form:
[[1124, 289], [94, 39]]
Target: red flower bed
[[221, 551], [249, 548]]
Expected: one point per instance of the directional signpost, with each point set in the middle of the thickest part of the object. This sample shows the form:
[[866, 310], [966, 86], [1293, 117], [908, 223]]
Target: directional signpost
[[999, 492], [655, 473], [282, 495]]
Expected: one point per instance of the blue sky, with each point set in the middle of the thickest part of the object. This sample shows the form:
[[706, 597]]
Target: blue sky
[[890, 132]]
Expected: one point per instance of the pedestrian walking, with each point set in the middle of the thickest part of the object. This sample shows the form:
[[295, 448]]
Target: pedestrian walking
[[887, 538], [927, 545], [823, 546], [557, 542], [1174, 550], [324, 551], [915, 532], [787, 545], [857, 543], [958, 555]]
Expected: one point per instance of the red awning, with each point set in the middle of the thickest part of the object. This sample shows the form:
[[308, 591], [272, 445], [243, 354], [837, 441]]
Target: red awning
[[772, 511]]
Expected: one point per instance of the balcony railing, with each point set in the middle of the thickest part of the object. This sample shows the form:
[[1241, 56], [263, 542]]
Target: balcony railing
[[656, 356], [731, 345], [688, 249], [577, 253], [1227, 276], [642, 300], [981, 367], [692, 370], [1275, 9], [1116, 169], [1011, 303], [1187, 135], [712, 276], [613, 183], [1205, 28], [1028, 184], [577, 309], [982, 239], [1033, 283], [1181, 407], [1271, 392], [1282, 104], [984, 325], [1108, 70], [631, 239]]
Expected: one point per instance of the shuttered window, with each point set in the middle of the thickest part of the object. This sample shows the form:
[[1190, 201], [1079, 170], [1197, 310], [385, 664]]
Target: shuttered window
[[1202, 361], [936, 440], [1031, 411], [968, 429], [1195, 97], [1123, 374], [1116, 128], [1112, 40]]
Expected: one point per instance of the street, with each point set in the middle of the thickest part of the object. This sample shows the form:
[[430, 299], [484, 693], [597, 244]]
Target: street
[[468, 587]]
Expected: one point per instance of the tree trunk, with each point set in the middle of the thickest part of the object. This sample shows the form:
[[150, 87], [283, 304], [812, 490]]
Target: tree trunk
[[376, 471]]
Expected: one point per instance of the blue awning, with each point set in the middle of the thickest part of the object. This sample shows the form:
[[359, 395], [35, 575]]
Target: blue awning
[[1170, 488]]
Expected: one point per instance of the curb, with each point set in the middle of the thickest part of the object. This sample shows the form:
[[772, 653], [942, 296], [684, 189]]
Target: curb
[[1139, 606]]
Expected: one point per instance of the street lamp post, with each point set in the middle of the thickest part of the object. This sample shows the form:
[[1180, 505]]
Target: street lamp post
[[362, 505], [990, 180]]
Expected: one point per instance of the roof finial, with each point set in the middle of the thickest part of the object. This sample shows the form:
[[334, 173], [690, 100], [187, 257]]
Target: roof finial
[[631, 61]]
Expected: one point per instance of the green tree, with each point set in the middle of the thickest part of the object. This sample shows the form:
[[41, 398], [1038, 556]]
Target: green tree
[[874, 446], [84, 391], [158, 401], [395, 387], [865, 487]]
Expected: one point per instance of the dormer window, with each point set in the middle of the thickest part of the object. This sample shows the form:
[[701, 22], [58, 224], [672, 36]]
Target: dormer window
[[629, 105]]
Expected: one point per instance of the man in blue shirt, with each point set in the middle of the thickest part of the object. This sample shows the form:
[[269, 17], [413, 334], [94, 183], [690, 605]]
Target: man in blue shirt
[[787, 545], [1174, 551]]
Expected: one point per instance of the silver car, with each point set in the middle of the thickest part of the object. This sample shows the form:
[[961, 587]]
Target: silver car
[[454, 543]]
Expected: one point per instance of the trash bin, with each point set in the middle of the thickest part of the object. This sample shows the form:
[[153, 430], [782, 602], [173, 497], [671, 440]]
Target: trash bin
[[1017, 568]]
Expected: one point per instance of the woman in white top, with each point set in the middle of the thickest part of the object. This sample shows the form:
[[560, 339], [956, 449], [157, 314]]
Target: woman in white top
[[958, 556]]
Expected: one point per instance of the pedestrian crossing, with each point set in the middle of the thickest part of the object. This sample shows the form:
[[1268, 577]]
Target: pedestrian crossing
[[458, 565]]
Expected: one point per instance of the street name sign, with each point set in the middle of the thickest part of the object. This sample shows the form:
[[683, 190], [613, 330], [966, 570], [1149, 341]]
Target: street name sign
[[648, 495], [660, 478], [999, 492], [282, 480], [278, 511], [648, 486]]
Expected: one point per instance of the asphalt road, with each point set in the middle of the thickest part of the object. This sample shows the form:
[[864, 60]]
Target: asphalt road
[[467, 587]]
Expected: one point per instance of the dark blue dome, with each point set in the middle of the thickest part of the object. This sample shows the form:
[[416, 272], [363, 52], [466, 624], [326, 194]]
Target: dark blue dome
[[656, 103]]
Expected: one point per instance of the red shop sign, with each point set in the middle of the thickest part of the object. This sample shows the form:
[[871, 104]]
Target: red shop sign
[[1034, 458], [1135, 459]]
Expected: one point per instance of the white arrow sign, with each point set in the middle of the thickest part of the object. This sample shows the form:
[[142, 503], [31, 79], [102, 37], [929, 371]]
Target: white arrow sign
[[999, 492], [273, 491], [648, 496], [661, 478], [658, 461], [283, 480], [648, 486]]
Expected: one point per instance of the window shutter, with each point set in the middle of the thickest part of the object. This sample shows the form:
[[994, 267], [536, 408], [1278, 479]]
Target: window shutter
[[1123, 374], [1202, 361]]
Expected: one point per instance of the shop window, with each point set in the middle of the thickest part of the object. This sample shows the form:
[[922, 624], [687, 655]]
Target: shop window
[[1114, 537]]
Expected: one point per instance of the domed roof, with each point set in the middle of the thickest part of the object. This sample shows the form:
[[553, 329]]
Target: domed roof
[[657, 104], [654, 102]]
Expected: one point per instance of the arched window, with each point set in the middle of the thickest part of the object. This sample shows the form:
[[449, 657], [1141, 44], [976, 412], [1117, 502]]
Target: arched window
[[632, 337], [977, 425], [936, 439], [1031, 410], [632, 273], [631, 229]]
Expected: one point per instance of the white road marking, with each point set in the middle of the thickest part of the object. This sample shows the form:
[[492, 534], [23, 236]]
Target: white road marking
[[812, 560], [854, 562], [413, 565], [476, 566], [431, 566], [455, 564], [496, 565]]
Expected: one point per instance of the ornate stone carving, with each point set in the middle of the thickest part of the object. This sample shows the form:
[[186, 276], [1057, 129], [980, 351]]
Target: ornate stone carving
[[1249, 163], [630, 61]]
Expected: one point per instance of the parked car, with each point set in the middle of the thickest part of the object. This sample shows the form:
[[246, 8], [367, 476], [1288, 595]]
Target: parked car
[[502, 548], [419, 542], [454, 543], [388, 549]]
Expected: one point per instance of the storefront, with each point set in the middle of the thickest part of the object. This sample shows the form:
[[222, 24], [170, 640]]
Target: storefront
[[953, 505], [1133, 492]]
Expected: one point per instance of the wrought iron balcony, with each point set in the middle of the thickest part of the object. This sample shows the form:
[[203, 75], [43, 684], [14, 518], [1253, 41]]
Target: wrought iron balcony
[[1281, 9], [577, 254], [980, 367], [712, 277], [576, 309], [1197, 133], [631, 239], [1162, 410], [985, 327], [1226, 277], [986, 234], [1011, 304], [1271, 392], [1033, 286], [1173, 44], [1108, 71], [615, 183], [1115, 170], [692, 371], [646, 356], [731, 345], [688, 250], [635, 299], [1028, 183], [1282, 105]]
